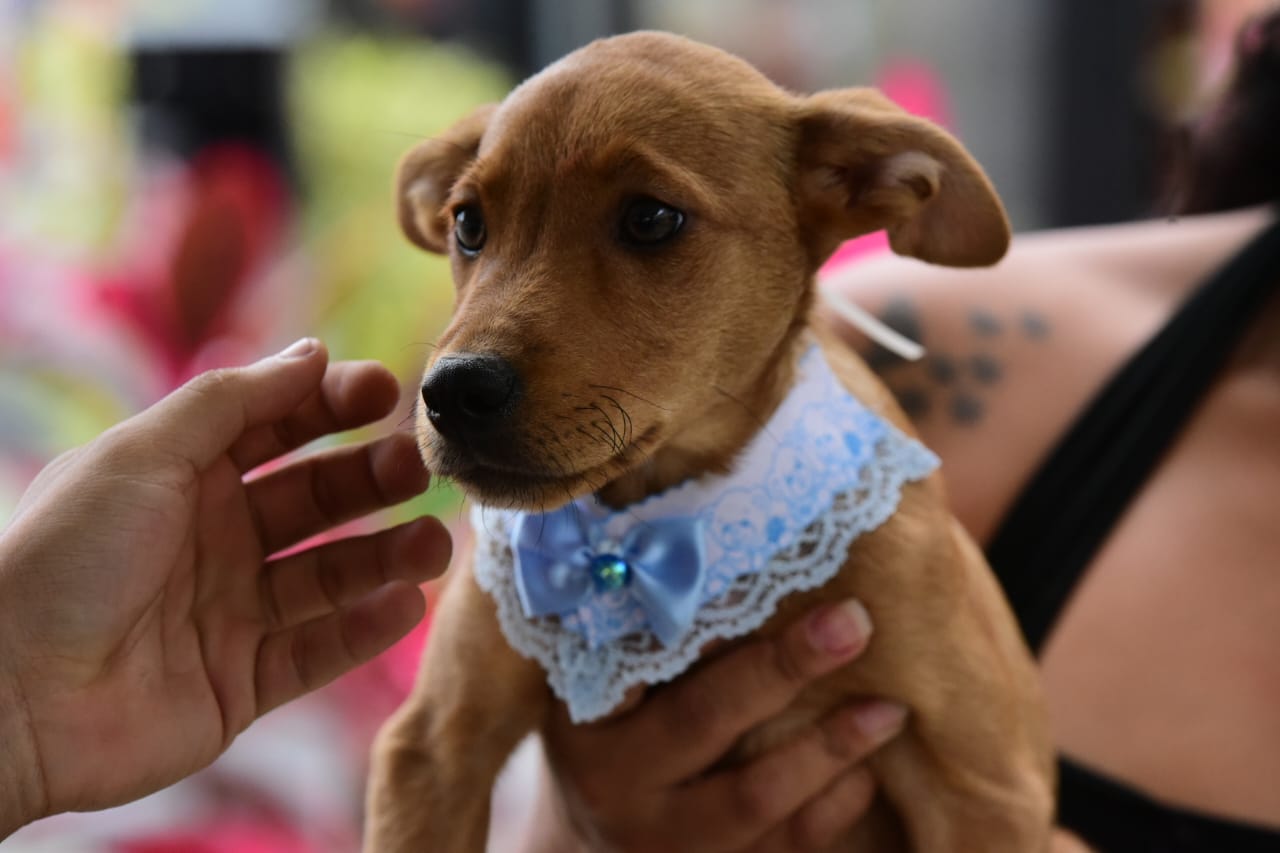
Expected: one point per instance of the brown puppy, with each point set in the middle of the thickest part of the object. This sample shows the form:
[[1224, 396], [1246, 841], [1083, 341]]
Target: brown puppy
[[638, 227]]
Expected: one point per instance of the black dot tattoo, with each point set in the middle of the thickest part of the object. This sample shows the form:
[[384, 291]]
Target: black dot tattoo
[[1035, 326], [986, 369], [942, 368], [985, 323], [880, 359], [902, 316], [914, 401], [966, 409], [963, 378]]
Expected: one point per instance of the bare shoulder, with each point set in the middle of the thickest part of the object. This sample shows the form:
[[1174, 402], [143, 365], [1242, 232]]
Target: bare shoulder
[[1014, 352]]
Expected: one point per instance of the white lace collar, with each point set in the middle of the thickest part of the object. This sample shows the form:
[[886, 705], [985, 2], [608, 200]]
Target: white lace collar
[[824, 470]]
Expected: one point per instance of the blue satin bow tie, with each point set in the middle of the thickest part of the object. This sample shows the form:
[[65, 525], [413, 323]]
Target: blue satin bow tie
[[662, 563]]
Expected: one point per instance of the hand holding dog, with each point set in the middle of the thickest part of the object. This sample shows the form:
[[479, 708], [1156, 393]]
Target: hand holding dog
[[647, 779], [144, 622]]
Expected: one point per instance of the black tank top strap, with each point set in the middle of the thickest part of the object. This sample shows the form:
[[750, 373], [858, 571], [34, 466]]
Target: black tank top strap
[[1063, 516], [1114, 818]]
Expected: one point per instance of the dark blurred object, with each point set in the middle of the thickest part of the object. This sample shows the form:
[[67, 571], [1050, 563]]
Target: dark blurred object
[[524, 35], [1105, 139], [190, 98], [1231, 157], [499, 29], [220, 114], [562, 26]]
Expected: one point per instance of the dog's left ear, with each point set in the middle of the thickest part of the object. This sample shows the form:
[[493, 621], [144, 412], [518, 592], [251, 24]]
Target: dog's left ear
[[866, 164], [426, 176]]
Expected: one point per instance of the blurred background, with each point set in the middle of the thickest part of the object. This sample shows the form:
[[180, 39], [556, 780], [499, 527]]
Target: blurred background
[[191, 183]]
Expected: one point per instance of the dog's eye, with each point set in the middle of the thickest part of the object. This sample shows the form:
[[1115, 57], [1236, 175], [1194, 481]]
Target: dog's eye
[[469, 229], [647, 221]]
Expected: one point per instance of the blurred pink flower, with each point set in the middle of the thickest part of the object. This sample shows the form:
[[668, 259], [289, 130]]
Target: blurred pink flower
[[232, 837]]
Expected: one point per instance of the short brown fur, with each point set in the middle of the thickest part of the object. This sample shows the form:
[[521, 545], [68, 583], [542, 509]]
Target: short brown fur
[[698, 342]]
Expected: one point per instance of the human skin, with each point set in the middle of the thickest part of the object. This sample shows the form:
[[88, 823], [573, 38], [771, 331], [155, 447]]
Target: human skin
[[1172, 629], [146, 615]]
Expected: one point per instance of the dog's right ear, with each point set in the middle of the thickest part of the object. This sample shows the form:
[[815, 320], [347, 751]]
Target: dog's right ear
[[426, 176], [866, 164]]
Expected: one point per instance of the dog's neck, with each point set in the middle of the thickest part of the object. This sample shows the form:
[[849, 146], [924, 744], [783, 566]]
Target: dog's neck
[[713, 440]]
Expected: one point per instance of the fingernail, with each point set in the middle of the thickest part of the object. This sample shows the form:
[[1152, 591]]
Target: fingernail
[[840, 630], [299, 348], [880, 721]]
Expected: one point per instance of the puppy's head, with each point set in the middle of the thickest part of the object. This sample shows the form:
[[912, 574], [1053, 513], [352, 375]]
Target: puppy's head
[[634, 234]]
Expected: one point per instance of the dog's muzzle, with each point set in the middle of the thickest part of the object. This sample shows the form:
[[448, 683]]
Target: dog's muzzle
[[469, 395]]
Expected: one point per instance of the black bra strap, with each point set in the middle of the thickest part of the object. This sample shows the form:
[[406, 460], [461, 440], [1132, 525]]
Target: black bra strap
[[1114, 818], [1069, 507]]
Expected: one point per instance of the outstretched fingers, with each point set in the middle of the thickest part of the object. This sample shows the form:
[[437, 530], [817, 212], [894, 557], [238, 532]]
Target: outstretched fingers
[[202, 420], [351, 394], [318, 581], [322, 491], [308, 656]]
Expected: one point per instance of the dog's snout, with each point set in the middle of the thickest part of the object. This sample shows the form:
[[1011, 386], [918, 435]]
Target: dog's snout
[[470, 392]]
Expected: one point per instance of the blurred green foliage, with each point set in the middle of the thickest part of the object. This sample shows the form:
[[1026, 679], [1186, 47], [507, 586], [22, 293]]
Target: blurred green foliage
[[358, 104], [73, 83]]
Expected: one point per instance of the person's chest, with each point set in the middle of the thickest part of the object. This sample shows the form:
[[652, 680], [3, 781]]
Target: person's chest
[[1164, 668]]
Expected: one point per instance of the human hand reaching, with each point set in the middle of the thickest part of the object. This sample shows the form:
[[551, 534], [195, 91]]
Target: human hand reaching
[[146, 615]]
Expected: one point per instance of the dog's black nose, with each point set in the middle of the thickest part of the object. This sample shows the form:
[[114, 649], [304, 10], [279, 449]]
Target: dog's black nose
[[470, 392]]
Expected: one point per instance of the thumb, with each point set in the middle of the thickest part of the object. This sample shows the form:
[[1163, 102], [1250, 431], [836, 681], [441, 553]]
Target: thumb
[[200, 420]]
